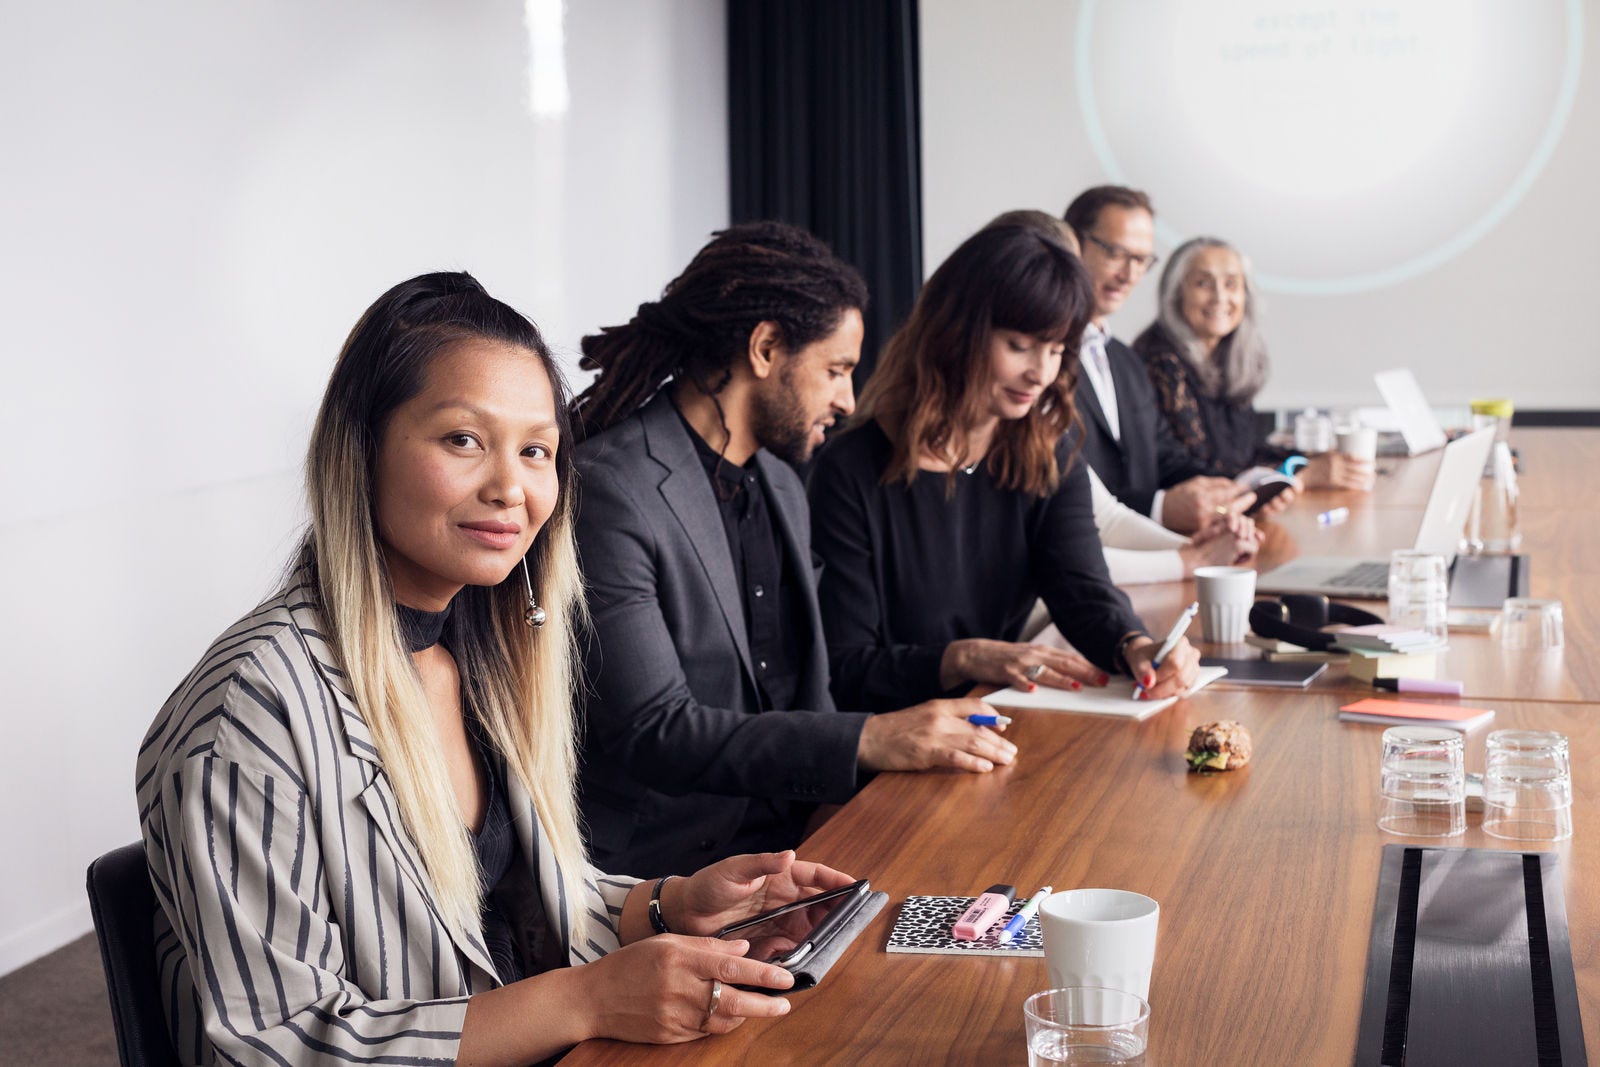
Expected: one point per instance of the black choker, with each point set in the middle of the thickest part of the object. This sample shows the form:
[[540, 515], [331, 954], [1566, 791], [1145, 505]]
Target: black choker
[[421, 629]]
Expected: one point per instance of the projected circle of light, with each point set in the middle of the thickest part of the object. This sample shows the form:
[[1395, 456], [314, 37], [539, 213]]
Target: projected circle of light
[[1345, 145]]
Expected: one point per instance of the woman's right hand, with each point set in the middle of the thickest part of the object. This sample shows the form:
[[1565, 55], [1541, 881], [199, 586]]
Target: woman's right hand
[[658, 990], [1015, 663]]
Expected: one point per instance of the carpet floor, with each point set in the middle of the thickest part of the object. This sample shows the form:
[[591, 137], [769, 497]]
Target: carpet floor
[[53, 1012]]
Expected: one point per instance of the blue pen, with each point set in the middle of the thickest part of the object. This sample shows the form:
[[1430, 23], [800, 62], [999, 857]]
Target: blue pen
[[1025, 916], [1171, 642], [989, 720]]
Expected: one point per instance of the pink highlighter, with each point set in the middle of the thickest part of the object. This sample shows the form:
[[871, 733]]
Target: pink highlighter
[[983, 912]]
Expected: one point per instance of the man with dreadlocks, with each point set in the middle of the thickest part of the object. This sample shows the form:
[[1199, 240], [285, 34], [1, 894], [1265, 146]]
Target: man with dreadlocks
[[709, 728]]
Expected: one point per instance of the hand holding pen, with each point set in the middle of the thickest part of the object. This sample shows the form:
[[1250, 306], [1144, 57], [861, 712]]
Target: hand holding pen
[[1171, 667]]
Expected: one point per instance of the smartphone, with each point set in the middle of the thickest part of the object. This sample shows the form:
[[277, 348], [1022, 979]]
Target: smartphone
[[787, 936], [1265, 494]]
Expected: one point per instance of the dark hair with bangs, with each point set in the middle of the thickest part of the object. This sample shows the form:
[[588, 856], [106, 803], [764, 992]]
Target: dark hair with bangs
[[931, 385]]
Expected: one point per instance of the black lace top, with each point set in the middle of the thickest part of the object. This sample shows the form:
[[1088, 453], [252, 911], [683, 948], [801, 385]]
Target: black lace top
[[1225, 436]]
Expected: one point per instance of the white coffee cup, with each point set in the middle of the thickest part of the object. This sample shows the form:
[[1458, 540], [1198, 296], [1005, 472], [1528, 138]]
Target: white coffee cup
[[1225, 595], [1359, 442], [1100, 937]]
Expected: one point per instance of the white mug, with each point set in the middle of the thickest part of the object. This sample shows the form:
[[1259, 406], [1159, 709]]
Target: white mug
[[1225, 595], [1359, 442], [1100, 937]]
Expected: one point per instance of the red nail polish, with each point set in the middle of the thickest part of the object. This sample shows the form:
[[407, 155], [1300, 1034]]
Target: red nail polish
[[1077, 685], [1149, 680], [1031, 687], [1104, 678]]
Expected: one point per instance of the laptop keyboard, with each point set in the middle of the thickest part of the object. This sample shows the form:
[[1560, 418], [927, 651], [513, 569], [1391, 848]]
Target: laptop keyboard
[[1373, 574]]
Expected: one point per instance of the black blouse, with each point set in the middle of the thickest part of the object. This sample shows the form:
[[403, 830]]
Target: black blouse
[[907, 570], [1223, 435]]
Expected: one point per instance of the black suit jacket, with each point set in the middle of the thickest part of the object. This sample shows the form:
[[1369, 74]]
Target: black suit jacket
[[1148, 457], [678, 758]]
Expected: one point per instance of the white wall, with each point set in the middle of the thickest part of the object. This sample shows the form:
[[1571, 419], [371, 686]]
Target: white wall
[[1413, 179], [196, 202]]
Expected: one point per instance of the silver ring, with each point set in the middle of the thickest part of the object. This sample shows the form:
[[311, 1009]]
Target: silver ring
[[716, 999], [1034, 672]]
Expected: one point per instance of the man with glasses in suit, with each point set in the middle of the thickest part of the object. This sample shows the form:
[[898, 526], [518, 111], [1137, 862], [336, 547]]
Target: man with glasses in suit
[[1125, 438]]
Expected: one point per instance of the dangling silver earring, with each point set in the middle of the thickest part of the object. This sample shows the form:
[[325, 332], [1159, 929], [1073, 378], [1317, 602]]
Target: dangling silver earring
[[534, 615]]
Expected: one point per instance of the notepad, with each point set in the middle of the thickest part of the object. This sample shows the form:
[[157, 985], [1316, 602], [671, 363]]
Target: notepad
[[1115, 698], [1266, 672], [1415, 713], [923, 926]]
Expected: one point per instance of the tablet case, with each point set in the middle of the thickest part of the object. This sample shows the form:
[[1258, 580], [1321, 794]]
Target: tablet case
[[825, 955], [1470, 962]]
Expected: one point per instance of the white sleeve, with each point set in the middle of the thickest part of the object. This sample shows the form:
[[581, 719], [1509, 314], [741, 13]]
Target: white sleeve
[[1122, 527], [1134, 567]]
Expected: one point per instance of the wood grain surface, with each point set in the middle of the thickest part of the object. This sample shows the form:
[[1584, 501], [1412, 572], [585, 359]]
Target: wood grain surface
[[1266, 879], [1266, 876]]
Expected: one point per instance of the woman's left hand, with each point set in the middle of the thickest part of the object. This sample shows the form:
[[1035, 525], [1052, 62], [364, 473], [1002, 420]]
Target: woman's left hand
[[1176, 673], [740, 887]]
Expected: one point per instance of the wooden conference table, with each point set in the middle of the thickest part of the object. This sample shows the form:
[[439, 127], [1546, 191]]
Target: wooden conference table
[[1266, 876]]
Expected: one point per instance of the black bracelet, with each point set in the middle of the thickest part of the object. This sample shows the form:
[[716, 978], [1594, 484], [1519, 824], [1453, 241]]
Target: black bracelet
[[657, 923]]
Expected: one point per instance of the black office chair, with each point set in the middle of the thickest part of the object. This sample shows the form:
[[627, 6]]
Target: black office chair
[[124, 906]]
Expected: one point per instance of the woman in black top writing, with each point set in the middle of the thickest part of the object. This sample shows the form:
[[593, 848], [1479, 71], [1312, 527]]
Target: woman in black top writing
[[955, 502]]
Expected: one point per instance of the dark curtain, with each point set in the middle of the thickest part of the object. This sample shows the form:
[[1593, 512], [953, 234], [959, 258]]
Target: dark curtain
[[824, 133]]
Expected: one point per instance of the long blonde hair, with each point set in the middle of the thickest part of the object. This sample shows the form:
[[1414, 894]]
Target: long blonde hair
[[517, 681]]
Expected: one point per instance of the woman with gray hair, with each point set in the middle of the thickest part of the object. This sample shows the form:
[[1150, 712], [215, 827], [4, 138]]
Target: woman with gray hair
[[1207, 360]]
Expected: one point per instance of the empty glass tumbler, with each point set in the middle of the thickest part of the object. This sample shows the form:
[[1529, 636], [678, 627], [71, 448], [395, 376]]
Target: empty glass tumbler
[[1313, 431], [1419, 591], [1423, 790], [1086, 1024], [1527, 786], [1532, 623]]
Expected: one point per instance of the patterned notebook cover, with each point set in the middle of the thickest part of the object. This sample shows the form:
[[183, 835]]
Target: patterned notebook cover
[[923, 926]]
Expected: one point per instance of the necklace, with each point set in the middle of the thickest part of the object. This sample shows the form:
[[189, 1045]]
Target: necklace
[[972, 469]]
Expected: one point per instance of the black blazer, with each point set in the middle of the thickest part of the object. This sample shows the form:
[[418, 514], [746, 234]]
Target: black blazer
[[1148, 457], [677, 753]]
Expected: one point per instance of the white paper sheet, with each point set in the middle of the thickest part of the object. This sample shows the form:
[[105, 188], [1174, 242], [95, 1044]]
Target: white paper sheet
[[1116, 698]]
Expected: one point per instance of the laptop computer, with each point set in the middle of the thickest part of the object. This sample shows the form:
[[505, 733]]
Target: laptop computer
[[1454, 488], [1419, 429]]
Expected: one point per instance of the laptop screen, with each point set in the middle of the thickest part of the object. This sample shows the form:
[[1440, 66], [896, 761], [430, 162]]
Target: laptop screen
[[1455, 487], [1417, 422]]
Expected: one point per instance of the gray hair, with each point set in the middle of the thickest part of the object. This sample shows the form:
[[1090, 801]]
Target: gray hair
[[1240, 362]]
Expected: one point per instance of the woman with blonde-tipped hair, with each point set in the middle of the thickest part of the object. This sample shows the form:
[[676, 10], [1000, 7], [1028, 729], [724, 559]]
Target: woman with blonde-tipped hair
[[358, 809]]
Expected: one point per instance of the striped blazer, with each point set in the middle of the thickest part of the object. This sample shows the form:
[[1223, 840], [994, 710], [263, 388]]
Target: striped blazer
[[297, 923]]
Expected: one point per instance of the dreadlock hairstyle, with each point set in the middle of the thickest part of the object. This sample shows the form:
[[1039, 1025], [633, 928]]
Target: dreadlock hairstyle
[[748, 274], [517, 681], [931, 386]]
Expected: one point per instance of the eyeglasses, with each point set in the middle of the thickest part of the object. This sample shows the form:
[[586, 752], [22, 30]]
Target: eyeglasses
[[1120, 256]]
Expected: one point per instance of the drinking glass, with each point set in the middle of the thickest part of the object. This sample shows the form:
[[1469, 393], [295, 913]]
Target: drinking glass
[[1527, 786], [1531, 622], [1423, 783], [1313, 431], [1086, 1024], [1419, 591]]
